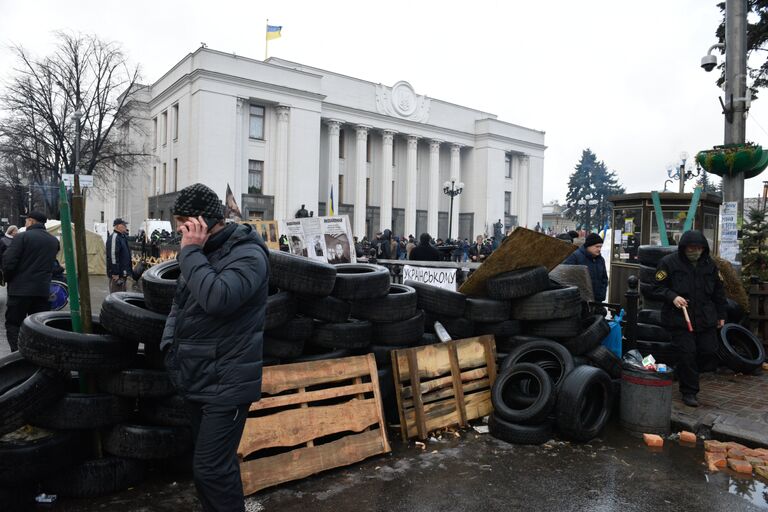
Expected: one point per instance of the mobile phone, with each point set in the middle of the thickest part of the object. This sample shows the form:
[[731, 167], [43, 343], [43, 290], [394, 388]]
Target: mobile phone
[[210, 222]]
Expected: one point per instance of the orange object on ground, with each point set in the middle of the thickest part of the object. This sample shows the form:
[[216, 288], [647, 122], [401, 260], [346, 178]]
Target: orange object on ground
[[756, 461], [716, 459], [687, 437], [736, 454], [732, 444], [740, 466], [715, 446], [653, 440], [762, 471]]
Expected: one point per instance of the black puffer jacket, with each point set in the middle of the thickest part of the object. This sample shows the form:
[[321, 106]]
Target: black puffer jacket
[[215, 328], [28, 262], [699, 284]]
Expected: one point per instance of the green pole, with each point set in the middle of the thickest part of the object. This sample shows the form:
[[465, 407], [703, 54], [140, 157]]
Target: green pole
[[660, 219], [692, 210], [69, 260]]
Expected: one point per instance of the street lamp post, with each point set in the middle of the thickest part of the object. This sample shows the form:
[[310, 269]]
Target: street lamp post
[[681, 173], [589, 202], [450, 189]]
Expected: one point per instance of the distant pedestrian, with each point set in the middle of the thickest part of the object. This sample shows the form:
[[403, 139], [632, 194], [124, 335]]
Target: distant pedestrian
[[589, 256], [479, 250], [27, 267], [425, 251], [118, 257], [409, 246], [7, 238]]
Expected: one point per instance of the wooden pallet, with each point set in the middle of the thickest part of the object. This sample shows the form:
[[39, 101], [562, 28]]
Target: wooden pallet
[[289, 415], [758, 311], [446, 384]]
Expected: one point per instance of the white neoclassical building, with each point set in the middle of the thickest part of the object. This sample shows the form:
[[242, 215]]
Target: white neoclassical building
[[283, 135]]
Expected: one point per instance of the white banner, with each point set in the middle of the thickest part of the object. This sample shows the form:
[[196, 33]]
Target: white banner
[[729, 235], [439, 277], [320, 238]]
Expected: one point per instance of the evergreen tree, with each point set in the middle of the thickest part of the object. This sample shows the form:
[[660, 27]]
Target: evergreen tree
[[709, 183], [754, 251], [591, 179]]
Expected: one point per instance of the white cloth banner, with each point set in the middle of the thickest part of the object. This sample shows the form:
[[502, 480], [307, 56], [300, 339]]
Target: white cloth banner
[[439, 277], [320, 238], [729, 235]]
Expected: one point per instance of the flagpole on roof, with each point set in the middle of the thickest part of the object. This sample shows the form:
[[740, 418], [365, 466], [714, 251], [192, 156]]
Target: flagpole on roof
[[266, 39]]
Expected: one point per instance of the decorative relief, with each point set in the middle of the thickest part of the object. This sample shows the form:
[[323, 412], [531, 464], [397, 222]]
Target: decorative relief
[[282, 113], [401, 101]]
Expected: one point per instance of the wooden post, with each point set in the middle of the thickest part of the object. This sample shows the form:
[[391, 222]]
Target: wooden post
[[78, 216]]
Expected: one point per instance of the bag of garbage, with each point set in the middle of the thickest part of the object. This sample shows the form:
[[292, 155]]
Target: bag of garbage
[[633, 359], [613, 341]]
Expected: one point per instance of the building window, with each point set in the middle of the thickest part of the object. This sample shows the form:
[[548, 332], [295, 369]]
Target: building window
[[256, 130], [165, 177], [175, 174], [176, 122], [367, 192], [341, 144], [368, 149], [102, 217], [154, 133], [154, 180], [165, 127], [508, 165], [255, 176], [507, 203], [341, 189]]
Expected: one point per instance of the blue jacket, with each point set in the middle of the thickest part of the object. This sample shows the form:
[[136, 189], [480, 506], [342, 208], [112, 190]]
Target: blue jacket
[[596, 267], [118, 255]]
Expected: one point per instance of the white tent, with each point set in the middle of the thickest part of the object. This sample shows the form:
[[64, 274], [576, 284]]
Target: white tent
[[96, 251]]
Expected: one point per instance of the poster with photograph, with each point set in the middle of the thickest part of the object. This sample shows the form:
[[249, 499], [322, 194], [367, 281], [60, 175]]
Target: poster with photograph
[[321, 238]]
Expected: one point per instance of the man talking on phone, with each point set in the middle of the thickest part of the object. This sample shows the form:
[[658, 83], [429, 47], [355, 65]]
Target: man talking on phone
[[214, 337]]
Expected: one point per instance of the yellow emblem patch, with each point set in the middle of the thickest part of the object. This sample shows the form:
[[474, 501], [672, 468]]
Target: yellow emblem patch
[[661, 275]]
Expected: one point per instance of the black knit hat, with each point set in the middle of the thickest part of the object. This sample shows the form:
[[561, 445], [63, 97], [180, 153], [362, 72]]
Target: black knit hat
[[592, 239], [37, 216], [198, 200]]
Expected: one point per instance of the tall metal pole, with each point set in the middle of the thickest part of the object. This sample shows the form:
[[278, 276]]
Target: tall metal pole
[[450, 214], [682, 177], [735, 87], [81, 253]]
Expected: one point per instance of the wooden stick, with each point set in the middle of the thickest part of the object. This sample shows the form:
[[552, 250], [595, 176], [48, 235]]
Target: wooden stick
[[687, 319]]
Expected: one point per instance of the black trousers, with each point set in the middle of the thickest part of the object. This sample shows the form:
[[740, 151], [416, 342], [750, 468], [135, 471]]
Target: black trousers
[[17, 309], [216, 431], [698, 353]]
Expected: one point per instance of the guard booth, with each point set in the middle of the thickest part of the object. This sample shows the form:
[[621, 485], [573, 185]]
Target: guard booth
[[634, 224]]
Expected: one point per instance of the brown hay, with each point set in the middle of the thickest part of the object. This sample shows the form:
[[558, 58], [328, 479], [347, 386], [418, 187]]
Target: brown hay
[[734, 290]]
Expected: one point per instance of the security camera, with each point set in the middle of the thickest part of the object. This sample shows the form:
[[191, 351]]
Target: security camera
[[708, 62]]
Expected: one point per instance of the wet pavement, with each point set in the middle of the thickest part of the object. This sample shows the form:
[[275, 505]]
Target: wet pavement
[[476, 472]]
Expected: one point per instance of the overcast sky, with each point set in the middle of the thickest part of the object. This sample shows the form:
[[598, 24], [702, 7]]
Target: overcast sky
[[619, 77]]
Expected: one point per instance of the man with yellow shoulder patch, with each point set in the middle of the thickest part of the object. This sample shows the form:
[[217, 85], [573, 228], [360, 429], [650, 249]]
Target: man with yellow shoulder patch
[[689, 279]]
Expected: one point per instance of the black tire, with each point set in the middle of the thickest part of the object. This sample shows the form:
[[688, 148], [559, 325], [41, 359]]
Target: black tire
[[606, 360], [647, 274], [550, 355], [457, 327], [301, 275], [388, 395], [518, 283], [651, 255], [487, 310], [125, 315], [96, 477], [503, 329], [136, 383], [507, 345], [327, 309], [519, 434], [282, 349], [79, 411], [402, 333], [438, 300], [649, 316], [32, 454], [280, 308], [315, 353], [428, 339], [574, 275], [530, 381], [734, 313], [159, 286], [662, 351], [584, 403], [349, 335], [647, 291], [25, 390], [652, 332], [168, 412], [739, 349], [560, 328], [47, 339], [594, 331], [145, 443], [548, 305], [398, 304], [355, 281], [296, 329]]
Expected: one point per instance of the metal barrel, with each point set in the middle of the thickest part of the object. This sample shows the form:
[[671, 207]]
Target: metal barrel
[[646, 401]]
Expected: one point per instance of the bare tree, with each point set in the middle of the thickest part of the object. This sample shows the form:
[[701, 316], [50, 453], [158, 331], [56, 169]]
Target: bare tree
[[36, 130]]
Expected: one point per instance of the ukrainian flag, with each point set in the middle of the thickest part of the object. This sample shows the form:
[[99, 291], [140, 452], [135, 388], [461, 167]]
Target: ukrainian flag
[[273, 31]]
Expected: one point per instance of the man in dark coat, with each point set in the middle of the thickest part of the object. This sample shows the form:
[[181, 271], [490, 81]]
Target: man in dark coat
[[424, 251], [27, 267], [689, 279], [118, 257], [479, 250], [214, 338], [589, 256]]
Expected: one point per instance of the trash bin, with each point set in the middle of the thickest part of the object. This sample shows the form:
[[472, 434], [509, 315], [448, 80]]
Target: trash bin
[[646, 401]]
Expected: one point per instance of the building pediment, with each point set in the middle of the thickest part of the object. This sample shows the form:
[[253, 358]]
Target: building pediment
[[401, 101]]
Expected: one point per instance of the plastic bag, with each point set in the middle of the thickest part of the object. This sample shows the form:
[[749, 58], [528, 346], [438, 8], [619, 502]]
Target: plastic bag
[[633, 360], [613, 341]]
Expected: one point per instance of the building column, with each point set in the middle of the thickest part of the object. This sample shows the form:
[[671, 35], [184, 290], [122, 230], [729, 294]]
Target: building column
[[358, 225], [456, 176], [281, 163], [385, 206], [332, 200], [434, 187], [522, 190], [410, 187]]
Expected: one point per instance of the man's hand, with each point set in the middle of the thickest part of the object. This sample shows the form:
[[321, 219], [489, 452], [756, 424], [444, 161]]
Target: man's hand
[[720, 324], [115, 278], [680, 302], [194, 232]]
